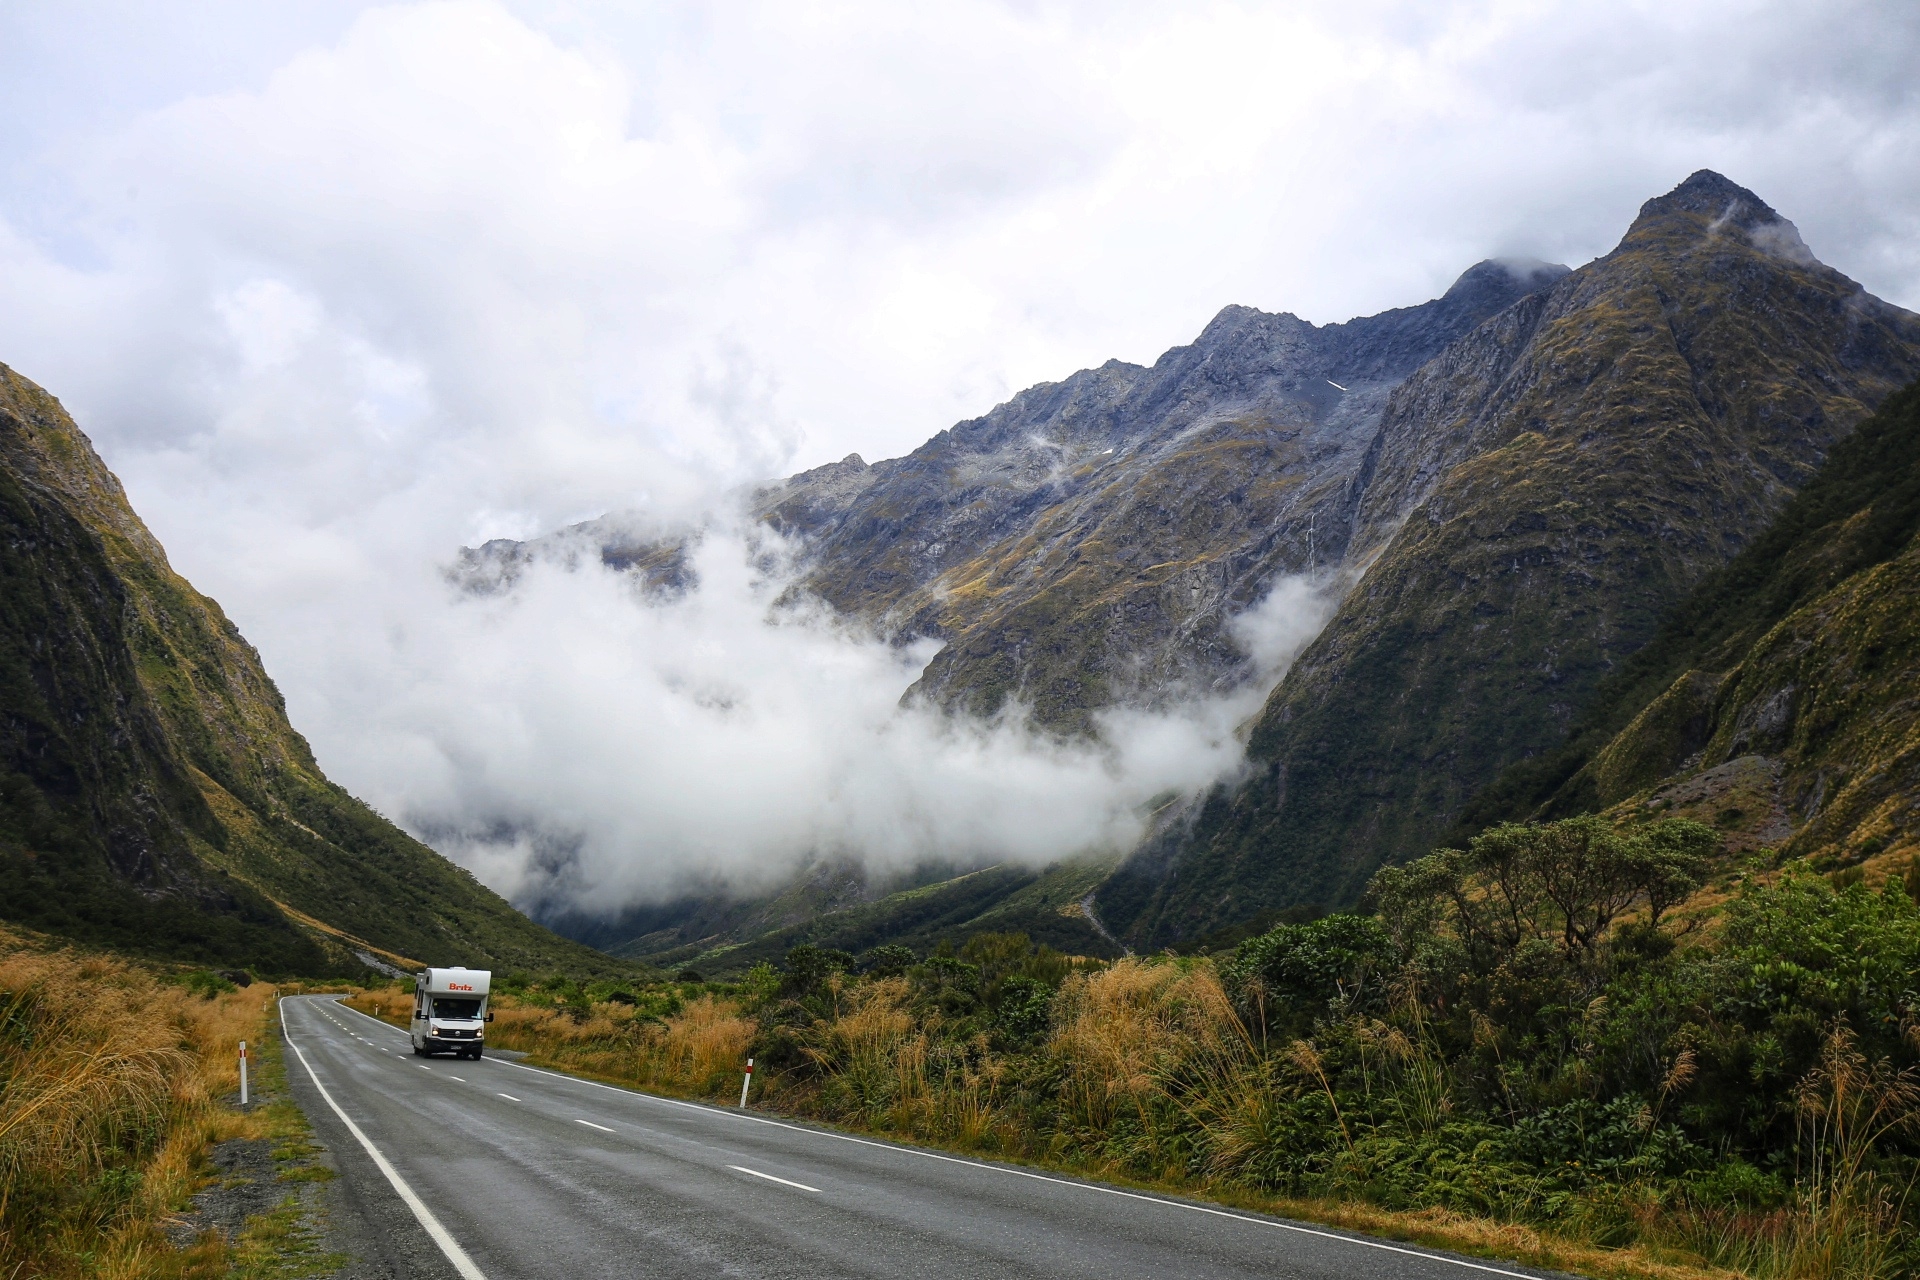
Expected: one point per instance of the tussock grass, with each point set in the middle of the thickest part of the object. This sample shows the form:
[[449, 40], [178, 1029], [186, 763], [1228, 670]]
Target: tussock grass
[[110, 1081]]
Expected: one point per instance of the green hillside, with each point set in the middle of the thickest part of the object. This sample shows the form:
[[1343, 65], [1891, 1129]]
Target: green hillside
[[1045, 905], [1781, 700], [153, 796]]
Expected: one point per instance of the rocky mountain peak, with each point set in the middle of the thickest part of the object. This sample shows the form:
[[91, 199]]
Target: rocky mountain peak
[[1506, 277], [851, 465], [1708, 204], [1712, 194], [1233, 318]]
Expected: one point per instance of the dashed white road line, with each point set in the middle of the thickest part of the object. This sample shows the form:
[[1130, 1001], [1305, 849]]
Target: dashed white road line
[[509, 1097], [459, 1078], [591, 1125], [1189, 1206], [740, 1168]]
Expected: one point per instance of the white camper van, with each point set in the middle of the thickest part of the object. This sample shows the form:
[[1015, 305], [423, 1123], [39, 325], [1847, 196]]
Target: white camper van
[[450, 1011]]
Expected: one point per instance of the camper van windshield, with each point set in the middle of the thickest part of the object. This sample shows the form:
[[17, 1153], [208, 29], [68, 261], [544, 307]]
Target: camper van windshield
[[455, 1007]]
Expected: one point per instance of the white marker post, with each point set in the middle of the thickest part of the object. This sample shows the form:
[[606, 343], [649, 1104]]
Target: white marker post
[[243, 1073], [745, 1081]]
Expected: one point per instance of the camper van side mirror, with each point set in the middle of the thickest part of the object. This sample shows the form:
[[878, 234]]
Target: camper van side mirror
[[489, 1015]]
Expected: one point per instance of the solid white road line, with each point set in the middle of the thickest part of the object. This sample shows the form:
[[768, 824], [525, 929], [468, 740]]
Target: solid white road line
[[728, 1113], [441, 1236], [740, 1168], [591, 1125]]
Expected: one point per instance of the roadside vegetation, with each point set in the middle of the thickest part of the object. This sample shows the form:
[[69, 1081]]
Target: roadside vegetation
[[1586, 1046], [115, 1084]]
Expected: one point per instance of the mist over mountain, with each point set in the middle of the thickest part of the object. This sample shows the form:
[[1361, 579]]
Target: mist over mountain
[[1101, 573], [1138, 655], [1503, 489], [330, 322], [1091, 541]]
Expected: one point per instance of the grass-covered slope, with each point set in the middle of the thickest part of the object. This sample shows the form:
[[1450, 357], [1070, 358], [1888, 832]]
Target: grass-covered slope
[[1047, 905], [1542, 493], [153, 796], [1781, 700]]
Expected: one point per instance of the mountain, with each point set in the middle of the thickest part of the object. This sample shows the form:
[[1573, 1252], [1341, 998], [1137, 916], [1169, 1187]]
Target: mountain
[[1088, 542], [1536, 498], [1512, 485], [1780, 701], [153, 796]]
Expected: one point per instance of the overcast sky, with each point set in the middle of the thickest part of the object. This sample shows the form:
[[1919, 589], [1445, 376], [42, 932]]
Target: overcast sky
[[337, 288]]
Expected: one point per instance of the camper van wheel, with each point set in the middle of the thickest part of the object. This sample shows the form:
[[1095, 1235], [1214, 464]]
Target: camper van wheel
[[418, 1052]]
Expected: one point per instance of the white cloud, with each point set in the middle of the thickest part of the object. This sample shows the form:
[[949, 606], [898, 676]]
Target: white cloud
[[338, 288], [575, 736]]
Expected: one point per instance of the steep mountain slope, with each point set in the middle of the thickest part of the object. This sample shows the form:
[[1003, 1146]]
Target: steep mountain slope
[[1781, 700], [1088, 542], [152, 794], [1538, 495]]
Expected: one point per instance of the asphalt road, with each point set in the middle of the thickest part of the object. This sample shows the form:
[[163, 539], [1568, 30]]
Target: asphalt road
[[495, 1169]]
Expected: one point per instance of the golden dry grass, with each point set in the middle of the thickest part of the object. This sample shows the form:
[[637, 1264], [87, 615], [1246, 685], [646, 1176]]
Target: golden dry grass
[[110, 1079]]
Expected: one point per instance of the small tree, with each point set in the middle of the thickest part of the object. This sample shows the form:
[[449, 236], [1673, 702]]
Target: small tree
[[889, 960], [1565, 881]]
